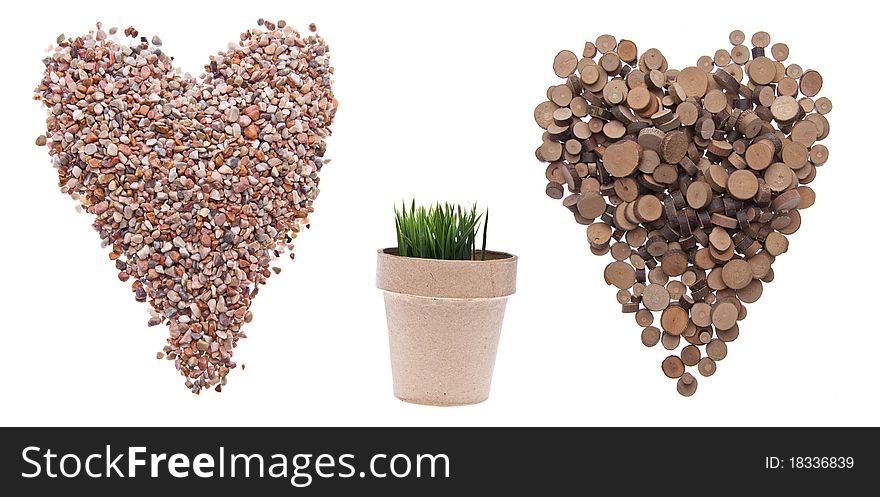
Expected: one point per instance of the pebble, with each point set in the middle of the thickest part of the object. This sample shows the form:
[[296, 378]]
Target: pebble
[[250, 132], [195, 239]]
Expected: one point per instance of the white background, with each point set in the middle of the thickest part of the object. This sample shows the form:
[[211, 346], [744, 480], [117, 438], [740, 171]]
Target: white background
[[436, 102]]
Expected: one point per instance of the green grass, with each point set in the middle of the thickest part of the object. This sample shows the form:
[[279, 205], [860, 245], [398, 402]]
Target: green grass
[[439, 231]]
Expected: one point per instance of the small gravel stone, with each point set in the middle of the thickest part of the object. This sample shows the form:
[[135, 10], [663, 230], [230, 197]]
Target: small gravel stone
[[156, 41], [41, 140], [250, 132]]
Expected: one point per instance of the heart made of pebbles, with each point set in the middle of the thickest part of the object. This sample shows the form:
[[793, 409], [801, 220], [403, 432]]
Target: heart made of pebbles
[[690, 178], [196, 184]]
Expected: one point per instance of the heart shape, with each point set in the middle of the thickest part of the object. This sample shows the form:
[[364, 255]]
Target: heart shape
[[696, 174], [196, 184]]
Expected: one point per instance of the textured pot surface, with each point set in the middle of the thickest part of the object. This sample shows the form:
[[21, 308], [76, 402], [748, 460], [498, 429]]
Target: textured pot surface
[[444, 323]]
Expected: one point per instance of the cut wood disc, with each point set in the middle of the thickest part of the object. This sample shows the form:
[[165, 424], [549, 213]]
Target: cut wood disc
[[648, 208], [707, 366], [715, 101], [823, 105], [674, 147], [778, 177], [644, 317], [627, 189], [701, 314], [699, 194], [672, 366], [805, 132], [639, 98], [742, 184], [694, 81], [776, 243], [762, 70], [740, 54], [751, 292], [599, 234], [544, 113], [686, 385], [761, 39], [620, 274], [687, 112], [590, 74], [690, 355], [655, 297], [720, 239], [811, 83], [795, 155], [591, 205], [737, 37], [670, 341], [627, 51], [621, 159], [736, 274], [779, 51], [674, 320], [724, 316], [716, 349], [784, 108], [565, 63], [606, 43], [818, 154], [650, 336], [561, 95], [674, 263]]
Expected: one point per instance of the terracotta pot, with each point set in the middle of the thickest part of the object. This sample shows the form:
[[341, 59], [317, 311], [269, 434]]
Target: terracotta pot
[[444, 322]]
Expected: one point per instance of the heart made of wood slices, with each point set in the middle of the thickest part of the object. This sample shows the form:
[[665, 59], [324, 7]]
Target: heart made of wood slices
[[196, 184], [690, 178]]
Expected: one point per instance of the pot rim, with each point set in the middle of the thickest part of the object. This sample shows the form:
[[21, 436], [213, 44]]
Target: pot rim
[[447, 279], [501, 256]]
